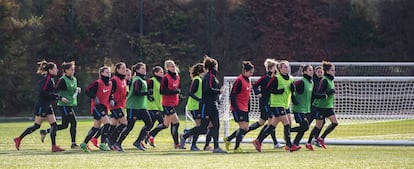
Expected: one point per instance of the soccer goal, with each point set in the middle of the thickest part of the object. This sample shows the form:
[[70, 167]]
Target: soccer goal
[[371, 110]]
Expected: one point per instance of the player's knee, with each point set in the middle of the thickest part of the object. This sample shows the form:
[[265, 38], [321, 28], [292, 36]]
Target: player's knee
[[162, 126], [34, 127], [65, 125]]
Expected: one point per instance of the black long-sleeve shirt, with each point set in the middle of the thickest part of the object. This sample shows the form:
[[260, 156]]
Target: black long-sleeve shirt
[[150, 83], [324, 85], [93, 88], [273, 84], [315, 94], [61, 84], [47, 90], [137, 87], [300, 85], [260, 88], [193, 89], [114, 86], [211, 88], [235, 91], [164, 89]]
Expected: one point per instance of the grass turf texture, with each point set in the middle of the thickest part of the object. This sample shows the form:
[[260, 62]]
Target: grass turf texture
[[34, 154]]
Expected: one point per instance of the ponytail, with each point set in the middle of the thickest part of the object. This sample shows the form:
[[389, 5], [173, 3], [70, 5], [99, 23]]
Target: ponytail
[[247, 66], [44, 67]]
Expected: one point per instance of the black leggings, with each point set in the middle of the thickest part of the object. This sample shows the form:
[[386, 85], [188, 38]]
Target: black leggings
[[133, 116], [68, 117], [209, 113], [156, 115]]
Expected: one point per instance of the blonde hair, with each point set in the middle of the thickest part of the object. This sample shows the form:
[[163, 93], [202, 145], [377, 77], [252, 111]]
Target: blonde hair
[[280, 63], [269, 63], [171, 62], [44, 67]]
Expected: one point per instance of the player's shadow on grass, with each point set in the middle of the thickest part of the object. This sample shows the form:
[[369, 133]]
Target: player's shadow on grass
[[133, 151]]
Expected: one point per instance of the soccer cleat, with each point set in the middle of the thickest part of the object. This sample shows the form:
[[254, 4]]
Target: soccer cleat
[[150, 140], [104, 147], [219, 150], [56, 148], [278, 145], [146, 138], [113, 147], [95, 142], [207, 148], [182, 142], [294, 148], [226, 143], [321, 141], [119, 147], [17, 141], [74, 146], [286, 148], [178, 146], [194, 148], [142, 144], [42, 135], [309, 147], [314, 142], [110, 144], [257, 145], [238, 150], [84, 147], [138, 146]]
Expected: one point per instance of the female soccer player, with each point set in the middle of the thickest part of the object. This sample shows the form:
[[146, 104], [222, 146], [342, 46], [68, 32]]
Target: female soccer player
[[128, 78], [208, 106], [128, 73], [317, 77], [281, 88], [170, 90], [100, 93], [68, 91], [324, 106], [119, 92], [196, 71], [264, 95], [137, 106], [44, 104], [302, 105], [154, 103], [240, 99]]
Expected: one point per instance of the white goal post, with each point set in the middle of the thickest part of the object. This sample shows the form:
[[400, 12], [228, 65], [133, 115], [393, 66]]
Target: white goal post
[[358, 100], [370, 96]]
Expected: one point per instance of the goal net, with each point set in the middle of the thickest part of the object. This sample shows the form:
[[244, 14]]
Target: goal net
[[364, 68], [370, 110]]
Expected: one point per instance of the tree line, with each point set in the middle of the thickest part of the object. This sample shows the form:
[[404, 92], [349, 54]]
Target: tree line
[[102, 32]]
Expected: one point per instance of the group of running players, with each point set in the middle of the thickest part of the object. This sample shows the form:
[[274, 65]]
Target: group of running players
[[129, 92]]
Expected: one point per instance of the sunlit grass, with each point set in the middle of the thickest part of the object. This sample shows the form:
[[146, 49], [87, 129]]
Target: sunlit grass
[[35, 154]]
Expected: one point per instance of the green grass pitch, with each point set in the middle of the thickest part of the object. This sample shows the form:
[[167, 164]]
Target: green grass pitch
[[34, 154]]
